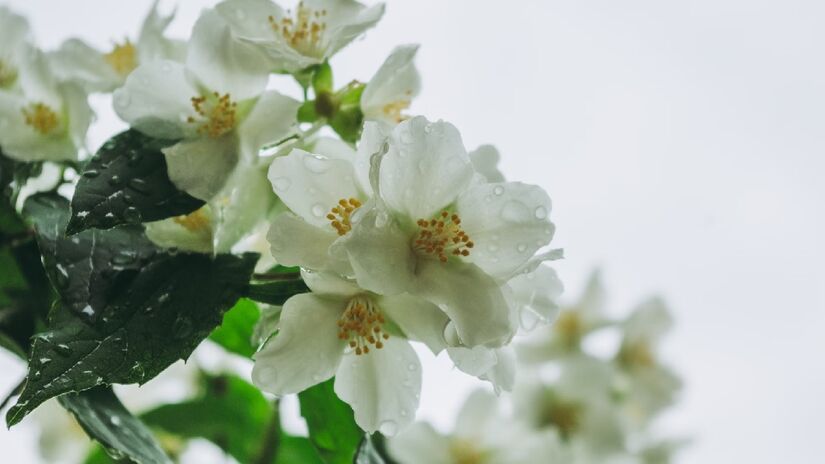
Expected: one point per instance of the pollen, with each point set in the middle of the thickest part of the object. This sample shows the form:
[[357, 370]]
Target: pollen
[[566, 417], [217, 114], [362, 326], [394, 110], [339, 215], [637, 354], [122, 58], [8, 75], [304, 31], [41, 118], [193, 222], [442, 236], [569, 327]]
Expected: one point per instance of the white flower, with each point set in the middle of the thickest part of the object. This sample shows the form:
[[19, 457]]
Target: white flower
[[392, 88], [485, 161], [42, 119], [440, 232], [647, 386], [482, 435], [215, 102], [105, 71], [309, 35], [360, 338], [15, 33], [230, 216]]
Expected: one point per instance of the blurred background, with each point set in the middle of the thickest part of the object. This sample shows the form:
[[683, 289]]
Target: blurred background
[[683, 146]]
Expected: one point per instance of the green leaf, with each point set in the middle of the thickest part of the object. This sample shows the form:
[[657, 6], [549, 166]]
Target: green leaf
[[296, 450], [331, 423], [276, 293], [128, 311], [105, 419], [126, 182], [235, 333]]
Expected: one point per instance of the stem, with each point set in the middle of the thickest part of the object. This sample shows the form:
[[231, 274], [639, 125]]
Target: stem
[[271, 277], [286, 145], [272, 438]]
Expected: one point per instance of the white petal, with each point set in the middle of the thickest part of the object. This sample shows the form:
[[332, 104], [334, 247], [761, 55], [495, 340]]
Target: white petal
[[473, 361], [14, 30], [538, 292], [419, 444], [396, 82], [648, 321], [508, 222], [503, 373], [485, 161], [379, 253], [306, 350], [471, 298], [311, 185], [296, 242], [76, 60], [478, 413], [328, 283], [240, 206], [202, 166], [425, 169], [169, 233], [36, 78], [157, 100], [152, 44], [77, 110], [591, 304], [419, 319], [249, 19], [332, 148], [382, 386], [20, 141], [373, 137], [221, 63], [273, 118], [346, 20]]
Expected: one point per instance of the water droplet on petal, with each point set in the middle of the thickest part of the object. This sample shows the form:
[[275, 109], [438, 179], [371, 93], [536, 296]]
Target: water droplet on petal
[[316, 164], [281, 184], [521, 247], [388, 428], [317, 210], [541, 212], [498, 190]]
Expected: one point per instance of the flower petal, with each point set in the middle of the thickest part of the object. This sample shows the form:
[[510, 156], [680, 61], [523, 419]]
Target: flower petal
[[485, 161], [240, 206], [170, 233], [425, 169], [14, 30], [21, 142], [296, 242], [538, 292], [508, 222], [36, 78], [474, 361], [223, 64], [311, 185], [329, 283], [157, 100], [202, 166], [272, 119], [420, 443], [379, 253], [76, 60], [472, 299], [393, 86], [306, 350], [152, 44], [382, 386], [419, 319], [373, 137], [345, 20], [478, 413]]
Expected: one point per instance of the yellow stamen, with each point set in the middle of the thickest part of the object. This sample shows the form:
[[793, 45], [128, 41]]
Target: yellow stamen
[[339, 215], [304, 32], [442, 236], [41, 118], [636, 354], [393, 110], [566, 417], [193, 222], [465, 452], [122, 58], [217, 114], [362, 325], [569, 327], [8, 75]]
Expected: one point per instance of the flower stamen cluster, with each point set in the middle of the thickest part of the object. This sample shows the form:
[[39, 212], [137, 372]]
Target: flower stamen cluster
[[8, 75], [193, 222], [362, 325], [303, 33], [41, 118], [442, 236], [122, 58], [339, 216], [219, 112]]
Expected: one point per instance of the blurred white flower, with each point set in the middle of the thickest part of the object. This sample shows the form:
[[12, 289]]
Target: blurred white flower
[[40, 117], [215, 102], [482, 435], [15, 33], [101, 71], [309, 35], [360, 338], [392, 88]]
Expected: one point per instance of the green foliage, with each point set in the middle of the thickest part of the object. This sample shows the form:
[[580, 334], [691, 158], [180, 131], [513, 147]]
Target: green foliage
[[322, 79], [127, 310], [276, 293], [126, 182], [331, 423], [106, 420], [368, 452], [235, 333]]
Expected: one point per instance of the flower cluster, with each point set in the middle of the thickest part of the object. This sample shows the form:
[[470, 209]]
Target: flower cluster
[[576, 400]]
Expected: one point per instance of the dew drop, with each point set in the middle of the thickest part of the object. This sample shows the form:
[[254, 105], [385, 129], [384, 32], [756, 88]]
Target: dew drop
[[316, 164], [91, 173], [317, 210], [411, 367], [115, 181], [63, 349], [132, 215], [115, 420], [140, 186], [498, 190], [281, 184], [388, 428], [541, 212], [521, 247]]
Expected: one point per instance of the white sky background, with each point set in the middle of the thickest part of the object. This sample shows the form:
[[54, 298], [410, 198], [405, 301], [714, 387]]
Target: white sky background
[[683, 146]]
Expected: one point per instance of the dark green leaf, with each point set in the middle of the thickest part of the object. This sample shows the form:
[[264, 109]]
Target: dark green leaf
[[276, 293], [331, 423], [235, 333], [106, 420], [126, 182], [368, 453], [128, 311]]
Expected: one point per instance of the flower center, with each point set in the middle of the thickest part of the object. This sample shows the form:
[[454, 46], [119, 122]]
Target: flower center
[[569, 326], [393, 110], [304, 32], [217, 114], [566, 417], [339, 216], [122, 58], [41, 118], [193, 222], [362, 325], [636, 354], [442, 236], [8, 75], [465, 452]]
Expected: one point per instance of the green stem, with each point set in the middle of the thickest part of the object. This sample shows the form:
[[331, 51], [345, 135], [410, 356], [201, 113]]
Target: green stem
[[272, 438]]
